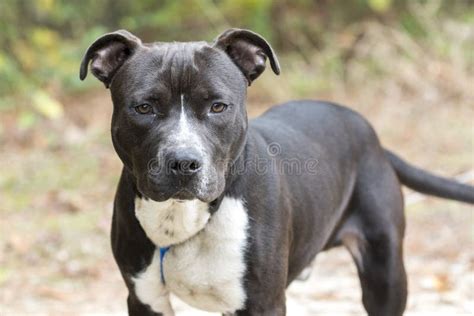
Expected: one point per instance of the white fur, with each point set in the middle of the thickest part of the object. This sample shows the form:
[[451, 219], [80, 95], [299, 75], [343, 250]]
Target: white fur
[[171, 222], [184, 131], [151, 291], [186, 136], [206, 271]]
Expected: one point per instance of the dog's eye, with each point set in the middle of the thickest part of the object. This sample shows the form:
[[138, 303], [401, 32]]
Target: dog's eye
[[218, 107], [144, 109]]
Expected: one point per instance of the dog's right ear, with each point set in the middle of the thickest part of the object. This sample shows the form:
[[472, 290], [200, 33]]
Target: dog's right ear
[[108, 53]]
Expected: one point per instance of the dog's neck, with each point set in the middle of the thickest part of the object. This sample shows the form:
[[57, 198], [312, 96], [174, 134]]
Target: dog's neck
[[171, 222]]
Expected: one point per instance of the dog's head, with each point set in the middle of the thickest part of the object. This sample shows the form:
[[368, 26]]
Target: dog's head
[[179, 117]]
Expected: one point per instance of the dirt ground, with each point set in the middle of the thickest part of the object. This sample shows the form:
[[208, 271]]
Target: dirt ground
[[57, 184]]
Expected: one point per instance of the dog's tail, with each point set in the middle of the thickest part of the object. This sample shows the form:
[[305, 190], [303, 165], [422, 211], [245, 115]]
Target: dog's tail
[[427, 183]]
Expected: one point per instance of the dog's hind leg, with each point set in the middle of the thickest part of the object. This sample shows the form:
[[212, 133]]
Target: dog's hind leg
[[373, 233]]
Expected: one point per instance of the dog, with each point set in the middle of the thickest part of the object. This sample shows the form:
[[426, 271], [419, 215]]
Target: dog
[[224, 213]]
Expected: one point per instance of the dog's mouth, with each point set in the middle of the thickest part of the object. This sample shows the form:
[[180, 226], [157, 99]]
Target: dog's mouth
[[180, 195], [183, 195], [160, 189]]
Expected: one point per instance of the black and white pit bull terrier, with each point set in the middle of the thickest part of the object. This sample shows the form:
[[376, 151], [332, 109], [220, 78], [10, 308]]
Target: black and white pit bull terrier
[[225, 214]]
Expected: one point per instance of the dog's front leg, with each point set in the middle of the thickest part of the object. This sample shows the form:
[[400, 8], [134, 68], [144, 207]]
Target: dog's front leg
[[137, 308], [279, 309], [265, 288], [137, 257], [148, 292]]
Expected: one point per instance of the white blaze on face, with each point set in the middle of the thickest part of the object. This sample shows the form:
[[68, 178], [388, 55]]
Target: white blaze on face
[[187, 136], [184, 135]]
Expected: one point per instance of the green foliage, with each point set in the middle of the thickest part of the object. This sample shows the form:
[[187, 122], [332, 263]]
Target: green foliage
[[380, 5], [43, 41]]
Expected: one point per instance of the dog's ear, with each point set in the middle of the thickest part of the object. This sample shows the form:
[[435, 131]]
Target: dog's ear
[[249, 51], [108, 53]]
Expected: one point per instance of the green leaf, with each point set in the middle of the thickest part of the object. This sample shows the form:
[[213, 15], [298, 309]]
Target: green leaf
[[26, 120], [380, 5], [47, 105]]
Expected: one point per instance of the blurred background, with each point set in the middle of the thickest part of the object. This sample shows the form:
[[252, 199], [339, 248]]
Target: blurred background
[[406, 65]]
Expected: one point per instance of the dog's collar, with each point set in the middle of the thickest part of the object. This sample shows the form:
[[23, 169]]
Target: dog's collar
[[163, 252]]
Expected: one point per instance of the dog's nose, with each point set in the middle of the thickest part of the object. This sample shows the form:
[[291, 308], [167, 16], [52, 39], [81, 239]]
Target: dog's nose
[[184, 163]]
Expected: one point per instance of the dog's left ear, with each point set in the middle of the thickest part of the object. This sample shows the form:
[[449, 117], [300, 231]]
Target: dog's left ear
[[249, 51]]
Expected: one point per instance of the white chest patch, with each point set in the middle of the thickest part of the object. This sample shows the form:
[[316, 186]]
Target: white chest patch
[[151, 291], [171, 222], [206, 271]]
